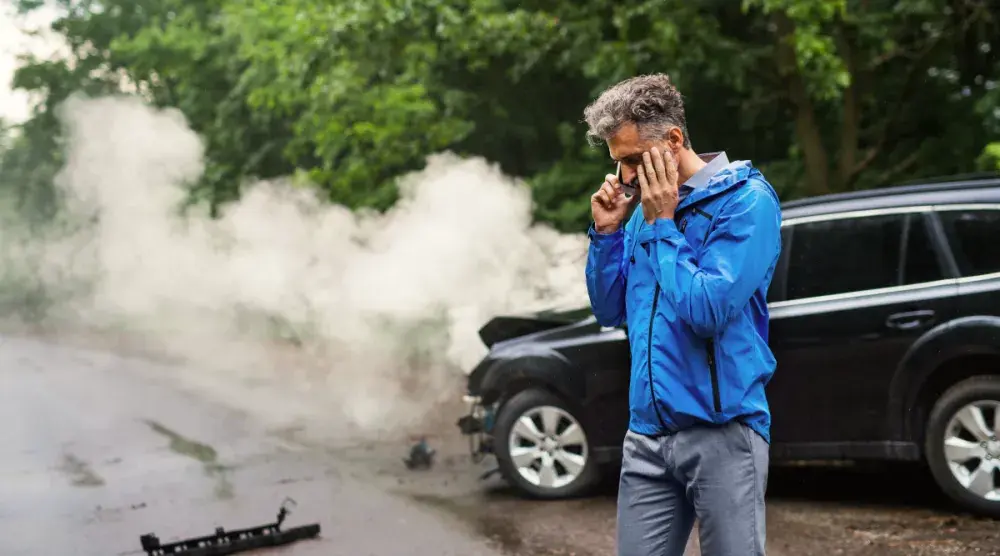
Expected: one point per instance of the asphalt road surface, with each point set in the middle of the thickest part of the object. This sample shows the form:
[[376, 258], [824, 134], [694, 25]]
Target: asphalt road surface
[[99, 449], [96, 453]]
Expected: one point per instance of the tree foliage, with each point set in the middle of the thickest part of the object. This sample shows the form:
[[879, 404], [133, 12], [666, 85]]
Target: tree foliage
[[824, 95]]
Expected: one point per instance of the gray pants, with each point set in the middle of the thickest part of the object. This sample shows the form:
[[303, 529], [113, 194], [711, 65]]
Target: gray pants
[[715, 474]]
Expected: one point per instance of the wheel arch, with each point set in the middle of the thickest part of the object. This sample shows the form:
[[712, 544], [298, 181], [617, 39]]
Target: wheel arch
[[550, 371], [944, 356]]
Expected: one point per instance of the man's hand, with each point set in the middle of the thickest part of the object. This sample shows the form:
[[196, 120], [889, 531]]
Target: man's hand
[[609, 205], [658, 182]]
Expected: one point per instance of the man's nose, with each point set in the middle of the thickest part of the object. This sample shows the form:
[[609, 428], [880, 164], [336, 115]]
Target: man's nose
[[628, 174]]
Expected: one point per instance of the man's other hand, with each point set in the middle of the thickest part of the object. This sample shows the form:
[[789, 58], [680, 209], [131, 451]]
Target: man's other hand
[[609, 205], [658, 183]]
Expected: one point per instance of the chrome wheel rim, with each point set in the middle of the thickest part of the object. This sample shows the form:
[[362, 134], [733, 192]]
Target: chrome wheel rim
[[972, 449], [548, 447]]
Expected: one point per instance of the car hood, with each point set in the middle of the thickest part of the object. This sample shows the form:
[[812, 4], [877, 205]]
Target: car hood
[[535, 333], [509, 327]]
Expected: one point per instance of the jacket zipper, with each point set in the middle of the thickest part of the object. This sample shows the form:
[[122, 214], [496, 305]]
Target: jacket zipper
[[716, 397], [701, 212], [710, 347], [649, 357]]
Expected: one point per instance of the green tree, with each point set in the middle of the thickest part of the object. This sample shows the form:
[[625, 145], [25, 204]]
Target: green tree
[[824, 95]]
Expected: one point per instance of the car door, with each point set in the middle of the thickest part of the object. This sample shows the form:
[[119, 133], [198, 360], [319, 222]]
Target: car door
[[972, 231], [858, 289]]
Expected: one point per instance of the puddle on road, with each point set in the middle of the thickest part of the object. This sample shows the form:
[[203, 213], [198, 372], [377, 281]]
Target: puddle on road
[[494, 527], [79, 472], [203, 453]]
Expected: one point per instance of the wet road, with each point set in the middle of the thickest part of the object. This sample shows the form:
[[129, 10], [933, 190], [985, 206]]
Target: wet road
[[100, 449], [97, 451]]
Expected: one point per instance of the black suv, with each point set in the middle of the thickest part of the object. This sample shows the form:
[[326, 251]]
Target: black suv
[[885, 321]]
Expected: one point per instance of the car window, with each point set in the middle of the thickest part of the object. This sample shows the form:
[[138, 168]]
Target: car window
[[777, 288], [922, 262], [973, 234], [844, 255]]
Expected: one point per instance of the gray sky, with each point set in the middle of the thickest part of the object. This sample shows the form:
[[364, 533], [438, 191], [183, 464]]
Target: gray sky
[[14, 105]]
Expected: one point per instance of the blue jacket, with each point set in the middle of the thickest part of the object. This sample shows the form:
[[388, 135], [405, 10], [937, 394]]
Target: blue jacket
[[692, 293]]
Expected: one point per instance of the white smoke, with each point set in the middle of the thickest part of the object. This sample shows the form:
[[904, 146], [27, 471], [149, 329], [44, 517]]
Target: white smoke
[[384, 309]]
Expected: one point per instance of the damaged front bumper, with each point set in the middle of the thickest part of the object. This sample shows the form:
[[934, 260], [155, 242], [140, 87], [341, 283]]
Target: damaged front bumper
[[478, 426]]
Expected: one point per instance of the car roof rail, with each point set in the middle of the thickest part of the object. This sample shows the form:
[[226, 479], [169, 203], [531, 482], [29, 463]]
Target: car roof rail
[[943, 183], [957, 179]]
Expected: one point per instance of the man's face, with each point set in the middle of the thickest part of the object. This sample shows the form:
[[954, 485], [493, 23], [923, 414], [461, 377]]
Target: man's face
[[626, 146]]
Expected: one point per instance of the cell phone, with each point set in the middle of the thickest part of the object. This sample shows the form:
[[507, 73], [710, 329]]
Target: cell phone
[[631, 189]]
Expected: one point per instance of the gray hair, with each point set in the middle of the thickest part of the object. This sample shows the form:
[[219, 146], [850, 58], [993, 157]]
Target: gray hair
[[650, 101]]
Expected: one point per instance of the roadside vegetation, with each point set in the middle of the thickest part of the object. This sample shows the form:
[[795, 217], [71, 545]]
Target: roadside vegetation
[[824, 95]]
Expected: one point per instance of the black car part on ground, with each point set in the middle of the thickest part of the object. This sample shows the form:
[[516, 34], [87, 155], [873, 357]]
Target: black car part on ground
[[224, 542], [421, 456]]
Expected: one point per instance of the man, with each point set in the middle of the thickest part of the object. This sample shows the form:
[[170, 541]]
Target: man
[[689, 275]]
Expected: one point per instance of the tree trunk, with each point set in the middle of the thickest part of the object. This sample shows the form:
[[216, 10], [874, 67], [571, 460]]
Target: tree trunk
[[807, 130], [850, 127]]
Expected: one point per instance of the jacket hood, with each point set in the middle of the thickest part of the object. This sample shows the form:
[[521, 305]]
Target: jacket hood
[[733, 175]]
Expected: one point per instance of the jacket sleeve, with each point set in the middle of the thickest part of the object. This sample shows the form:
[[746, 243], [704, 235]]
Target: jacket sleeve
[[744, 243], [606, 276]]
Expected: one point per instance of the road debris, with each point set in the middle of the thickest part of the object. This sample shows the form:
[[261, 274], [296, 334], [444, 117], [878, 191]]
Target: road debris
[[225, 542], [489, 473], [421, 456]]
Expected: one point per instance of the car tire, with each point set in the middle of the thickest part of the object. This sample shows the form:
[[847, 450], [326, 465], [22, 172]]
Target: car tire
[[963, 456], [542, 448]]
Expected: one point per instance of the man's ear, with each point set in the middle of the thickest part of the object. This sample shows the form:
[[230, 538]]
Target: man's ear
[[675, 139]]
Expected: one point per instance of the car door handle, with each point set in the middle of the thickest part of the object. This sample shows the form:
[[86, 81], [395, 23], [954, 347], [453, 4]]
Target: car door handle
[[909, 320]]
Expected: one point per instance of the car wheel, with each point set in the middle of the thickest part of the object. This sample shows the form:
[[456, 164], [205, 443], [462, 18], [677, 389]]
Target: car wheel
[[962, 447], [542, 448]]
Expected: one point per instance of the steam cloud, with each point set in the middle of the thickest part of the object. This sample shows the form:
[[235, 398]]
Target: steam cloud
[[383, 309]]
